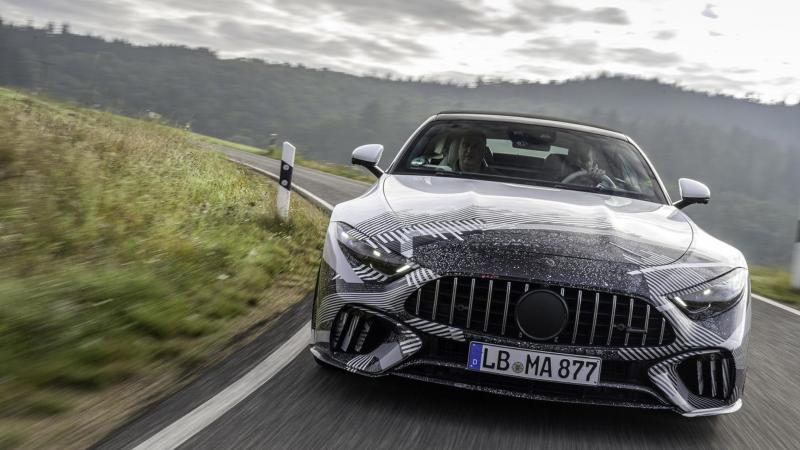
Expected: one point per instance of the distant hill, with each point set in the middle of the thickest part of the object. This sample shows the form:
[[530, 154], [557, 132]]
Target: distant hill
[[747, 152]]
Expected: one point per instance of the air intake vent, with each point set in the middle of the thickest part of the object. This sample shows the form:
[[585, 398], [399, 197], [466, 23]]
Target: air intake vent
[[709, 375], [357, 331]]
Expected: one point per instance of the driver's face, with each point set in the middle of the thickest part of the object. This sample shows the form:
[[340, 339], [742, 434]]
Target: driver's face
[[585, 158], [470, 153]]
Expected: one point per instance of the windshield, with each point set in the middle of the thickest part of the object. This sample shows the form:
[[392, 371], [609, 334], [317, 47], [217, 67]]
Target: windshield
[[532, 154]]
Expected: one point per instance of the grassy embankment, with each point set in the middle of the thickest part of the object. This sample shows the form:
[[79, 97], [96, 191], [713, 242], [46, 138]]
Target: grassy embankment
[[128, 257], [775, 284], [352, 172]]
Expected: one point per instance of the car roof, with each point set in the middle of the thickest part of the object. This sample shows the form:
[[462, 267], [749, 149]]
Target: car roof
[[530, 119]]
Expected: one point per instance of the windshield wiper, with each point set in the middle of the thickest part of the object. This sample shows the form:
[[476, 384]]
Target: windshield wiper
[[578, 187], [446, 173], [605, 190]]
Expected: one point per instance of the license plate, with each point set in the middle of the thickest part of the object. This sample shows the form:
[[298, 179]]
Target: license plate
[[547, 366]]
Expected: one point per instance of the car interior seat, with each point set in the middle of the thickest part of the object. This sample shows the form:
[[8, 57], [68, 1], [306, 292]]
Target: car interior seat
[[554, 166]]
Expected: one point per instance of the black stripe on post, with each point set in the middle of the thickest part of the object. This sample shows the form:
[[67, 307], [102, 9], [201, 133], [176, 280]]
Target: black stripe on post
[[286, 175], [797, 238]]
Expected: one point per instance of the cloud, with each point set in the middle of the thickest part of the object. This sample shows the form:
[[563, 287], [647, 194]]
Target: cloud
[[709, 11], [588, 52], [277, 41], [551, 48], [240, 8], [539, 71], [611, 16], [392, 48], [454, 15], [445, 15], [551, 12], [194, 29], [664, 35], [83, 10], [645, 56], [263, 37]]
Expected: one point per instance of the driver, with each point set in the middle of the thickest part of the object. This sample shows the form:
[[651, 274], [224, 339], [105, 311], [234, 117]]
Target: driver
[[582, 163]]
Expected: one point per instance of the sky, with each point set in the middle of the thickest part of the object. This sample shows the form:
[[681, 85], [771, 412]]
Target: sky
[[744, 48]]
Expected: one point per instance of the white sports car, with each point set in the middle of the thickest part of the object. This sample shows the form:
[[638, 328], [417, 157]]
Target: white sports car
[[536, 258]]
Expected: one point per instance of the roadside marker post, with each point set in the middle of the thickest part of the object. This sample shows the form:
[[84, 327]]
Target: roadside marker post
[[796, 257], [285, 180]]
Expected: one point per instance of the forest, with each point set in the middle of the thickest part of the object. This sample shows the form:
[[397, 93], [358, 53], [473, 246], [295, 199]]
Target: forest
[[746, 151]]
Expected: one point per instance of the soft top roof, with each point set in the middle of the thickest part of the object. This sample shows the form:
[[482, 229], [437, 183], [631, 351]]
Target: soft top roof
[[530, 118]]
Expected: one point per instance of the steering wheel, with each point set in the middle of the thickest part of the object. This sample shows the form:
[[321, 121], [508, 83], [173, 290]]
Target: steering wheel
[[605, 180]]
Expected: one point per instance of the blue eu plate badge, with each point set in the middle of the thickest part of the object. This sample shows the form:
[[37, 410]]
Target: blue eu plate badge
[[475, 351]]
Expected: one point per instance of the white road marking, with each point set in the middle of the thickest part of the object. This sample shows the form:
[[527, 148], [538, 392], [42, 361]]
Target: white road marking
[[777, 305], [302, 191], [204, 415]]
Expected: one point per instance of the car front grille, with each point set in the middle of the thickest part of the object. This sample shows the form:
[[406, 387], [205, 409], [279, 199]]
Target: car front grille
[[488, 306]]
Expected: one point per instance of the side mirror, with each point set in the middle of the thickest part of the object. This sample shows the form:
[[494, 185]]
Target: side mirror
[[368, 156], [692, 192]]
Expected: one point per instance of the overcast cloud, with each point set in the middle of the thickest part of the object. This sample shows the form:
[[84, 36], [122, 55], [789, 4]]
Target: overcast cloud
[[736, 47]]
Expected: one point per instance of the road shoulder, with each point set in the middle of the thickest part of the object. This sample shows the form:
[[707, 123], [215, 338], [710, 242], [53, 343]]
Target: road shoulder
[[152, 418]]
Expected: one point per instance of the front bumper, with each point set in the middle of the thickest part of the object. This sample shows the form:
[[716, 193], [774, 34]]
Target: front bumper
[[418, 349]]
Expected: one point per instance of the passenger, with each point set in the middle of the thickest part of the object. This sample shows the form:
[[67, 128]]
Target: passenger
[[471, 152]]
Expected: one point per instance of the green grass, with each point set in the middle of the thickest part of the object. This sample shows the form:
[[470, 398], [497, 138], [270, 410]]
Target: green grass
[[775, 284], [231, 144], [352, 172], [125, 249], [9, 440]]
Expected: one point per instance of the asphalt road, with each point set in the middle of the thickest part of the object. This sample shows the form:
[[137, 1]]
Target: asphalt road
[[305, 406], [331, 188]]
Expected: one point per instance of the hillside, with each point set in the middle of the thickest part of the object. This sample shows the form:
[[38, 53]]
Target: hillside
[[745, 151], [129, 256]]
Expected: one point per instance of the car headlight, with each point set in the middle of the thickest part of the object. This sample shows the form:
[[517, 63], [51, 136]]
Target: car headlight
[[355, 246], [712, 297]]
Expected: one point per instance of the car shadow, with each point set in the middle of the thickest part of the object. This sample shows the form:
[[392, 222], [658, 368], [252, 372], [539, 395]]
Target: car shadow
[[460, 408]]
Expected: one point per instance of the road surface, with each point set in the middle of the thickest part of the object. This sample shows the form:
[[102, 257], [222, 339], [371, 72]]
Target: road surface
[[305, 406]]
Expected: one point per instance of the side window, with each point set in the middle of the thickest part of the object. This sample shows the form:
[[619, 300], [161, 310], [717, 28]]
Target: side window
[[438, 151]]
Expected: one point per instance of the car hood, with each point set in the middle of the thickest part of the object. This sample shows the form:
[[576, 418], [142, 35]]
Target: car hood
[[452, 216]]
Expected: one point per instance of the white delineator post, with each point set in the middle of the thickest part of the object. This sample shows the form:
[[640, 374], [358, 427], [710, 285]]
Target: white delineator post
[[796, 257], [285, 180]]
